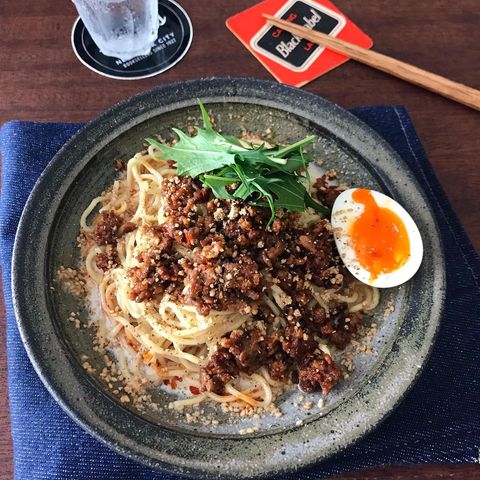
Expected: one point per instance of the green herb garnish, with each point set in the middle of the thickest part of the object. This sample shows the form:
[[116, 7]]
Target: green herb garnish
[[272, 177]]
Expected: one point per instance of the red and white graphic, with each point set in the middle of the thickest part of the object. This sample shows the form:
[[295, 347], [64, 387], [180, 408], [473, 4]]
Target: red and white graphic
[[289, 58]]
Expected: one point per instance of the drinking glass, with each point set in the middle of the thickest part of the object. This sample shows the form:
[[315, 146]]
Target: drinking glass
[[121, 28]]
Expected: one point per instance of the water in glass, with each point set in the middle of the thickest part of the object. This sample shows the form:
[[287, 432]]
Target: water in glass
[[121, 28]]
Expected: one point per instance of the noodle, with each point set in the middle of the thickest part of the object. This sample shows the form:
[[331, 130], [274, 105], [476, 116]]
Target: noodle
[[169, 339]]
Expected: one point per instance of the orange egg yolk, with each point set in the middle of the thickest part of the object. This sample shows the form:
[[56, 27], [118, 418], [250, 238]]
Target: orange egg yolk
[[379, 237]]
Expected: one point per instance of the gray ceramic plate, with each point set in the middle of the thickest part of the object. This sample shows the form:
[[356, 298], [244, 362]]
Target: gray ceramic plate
[[46, 239]]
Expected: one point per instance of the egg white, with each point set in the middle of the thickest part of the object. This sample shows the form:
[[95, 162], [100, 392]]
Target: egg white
[[345, 211]]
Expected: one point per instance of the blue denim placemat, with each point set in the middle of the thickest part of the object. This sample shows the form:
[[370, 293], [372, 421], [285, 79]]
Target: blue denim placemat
[[438, 421]]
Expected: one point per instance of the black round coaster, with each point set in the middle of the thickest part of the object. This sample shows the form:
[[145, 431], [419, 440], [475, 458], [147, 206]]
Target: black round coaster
[[174, 39]]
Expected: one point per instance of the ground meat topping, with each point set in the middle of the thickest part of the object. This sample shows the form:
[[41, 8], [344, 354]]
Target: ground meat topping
[[120, 165], [107, 229], [249, 348], [339, 328], [219, 254], [107, 259], [298, 343], [220, 369], [242, 274], [128, 227], [280, 367], [180, 194], [318, 372], [325, 191]]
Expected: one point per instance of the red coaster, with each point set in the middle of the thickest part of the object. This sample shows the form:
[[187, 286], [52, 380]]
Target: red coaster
[[288, 58]]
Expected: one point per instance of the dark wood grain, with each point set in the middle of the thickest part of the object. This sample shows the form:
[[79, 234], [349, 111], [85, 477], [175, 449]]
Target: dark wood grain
[[41, 79]]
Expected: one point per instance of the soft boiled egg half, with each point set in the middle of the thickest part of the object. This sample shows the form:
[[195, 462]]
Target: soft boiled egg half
[[376, 238]]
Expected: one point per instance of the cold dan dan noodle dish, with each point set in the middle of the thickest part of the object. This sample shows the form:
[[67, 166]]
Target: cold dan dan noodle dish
[[210, 270]]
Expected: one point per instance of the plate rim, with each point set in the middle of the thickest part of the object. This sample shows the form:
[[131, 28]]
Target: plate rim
[[215, 84]]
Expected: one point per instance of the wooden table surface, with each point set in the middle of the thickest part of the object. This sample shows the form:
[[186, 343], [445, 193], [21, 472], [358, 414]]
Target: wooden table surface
[[41, 79]]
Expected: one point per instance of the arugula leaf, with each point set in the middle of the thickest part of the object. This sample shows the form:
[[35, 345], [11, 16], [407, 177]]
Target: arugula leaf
[[310, 202], [218, 185], [272, 177], [290, 193], [295, 146], [206, 119], [294, 164], [262, 185], [195, 155], [243, 191], [233, 140], [258, 156]]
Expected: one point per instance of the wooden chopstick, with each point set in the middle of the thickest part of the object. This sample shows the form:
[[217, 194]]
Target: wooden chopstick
[[441, 85]]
